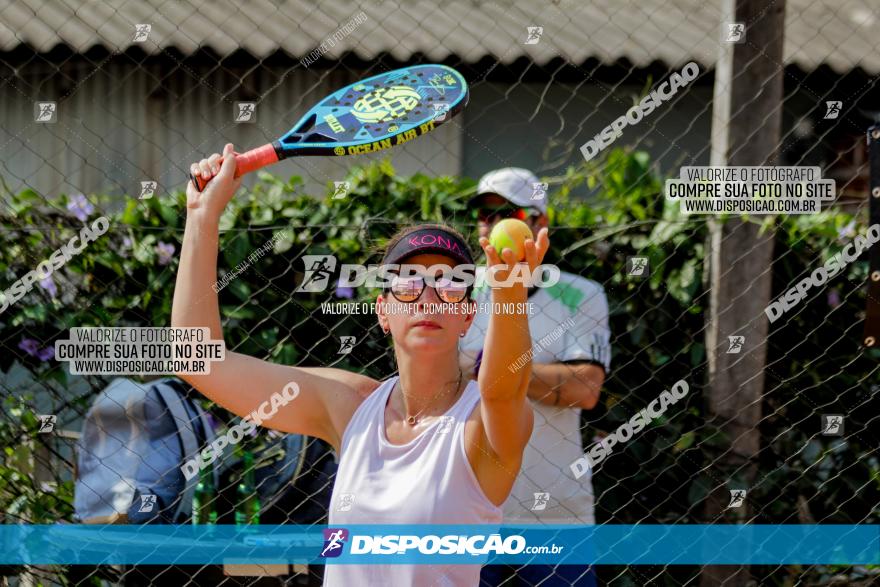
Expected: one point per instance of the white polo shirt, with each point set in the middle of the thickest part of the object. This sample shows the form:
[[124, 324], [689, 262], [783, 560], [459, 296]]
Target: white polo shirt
[[569, 322]]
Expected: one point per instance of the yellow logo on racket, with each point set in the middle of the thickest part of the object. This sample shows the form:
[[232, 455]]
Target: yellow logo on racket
[[385, 104], [339, 151]]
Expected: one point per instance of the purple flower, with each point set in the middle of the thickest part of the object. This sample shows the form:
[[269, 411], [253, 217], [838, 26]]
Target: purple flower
[[212, 421], [847, 231], [127, 245], [165, 251], [49, 285], [46, 354], [29, 345], [344, 292], [833, 298], [80, 206]]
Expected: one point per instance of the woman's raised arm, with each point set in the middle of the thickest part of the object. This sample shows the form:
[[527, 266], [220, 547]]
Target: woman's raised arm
[[319, 401], [506, 364]]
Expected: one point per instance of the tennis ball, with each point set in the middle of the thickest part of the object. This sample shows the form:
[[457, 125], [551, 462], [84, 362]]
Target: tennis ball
[[511, 234]]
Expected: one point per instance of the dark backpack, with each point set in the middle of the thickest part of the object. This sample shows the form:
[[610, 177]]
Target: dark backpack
[[294, 478], [134, 440], [141, 434]]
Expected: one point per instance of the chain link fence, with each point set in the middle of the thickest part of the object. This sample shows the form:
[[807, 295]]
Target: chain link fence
[[105, 105]]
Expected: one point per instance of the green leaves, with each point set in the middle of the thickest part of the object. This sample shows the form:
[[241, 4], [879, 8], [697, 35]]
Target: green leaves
[[683, 282], [699, 489], [24, 201], [236, 249], [685, 441]]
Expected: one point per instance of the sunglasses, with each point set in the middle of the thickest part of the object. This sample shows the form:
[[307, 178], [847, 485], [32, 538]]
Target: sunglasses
[[410, 289], [490, 215]]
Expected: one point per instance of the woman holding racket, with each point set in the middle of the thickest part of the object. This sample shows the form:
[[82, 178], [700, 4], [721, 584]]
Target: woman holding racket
[[429, 446]]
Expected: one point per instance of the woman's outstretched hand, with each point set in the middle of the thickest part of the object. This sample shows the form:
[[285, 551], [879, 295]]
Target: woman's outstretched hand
[[505, 259], [220, 189]]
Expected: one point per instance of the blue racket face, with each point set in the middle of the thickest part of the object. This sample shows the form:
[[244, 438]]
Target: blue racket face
[[378, 113]]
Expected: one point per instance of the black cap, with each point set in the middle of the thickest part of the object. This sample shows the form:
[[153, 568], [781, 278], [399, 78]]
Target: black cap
[[430, 240]]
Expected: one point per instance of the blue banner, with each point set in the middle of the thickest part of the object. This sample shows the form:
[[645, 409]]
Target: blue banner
[[442, 544]]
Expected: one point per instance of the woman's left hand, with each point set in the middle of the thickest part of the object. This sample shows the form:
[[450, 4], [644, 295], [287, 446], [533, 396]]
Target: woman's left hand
[[505, 260]]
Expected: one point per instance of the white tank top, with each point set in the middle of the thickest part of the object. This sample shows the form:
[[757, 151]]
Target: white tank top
[[426, 481]]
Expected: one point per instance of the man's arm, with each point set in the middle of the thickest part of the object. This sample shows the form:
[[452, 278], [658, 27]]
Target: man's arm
[[583, 355], [574, 384], [570, 384]]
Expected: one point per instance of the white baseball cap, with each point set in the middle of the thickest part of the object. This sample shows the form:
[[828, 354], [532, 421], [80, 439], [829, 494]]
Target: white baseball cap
[[516, 185]]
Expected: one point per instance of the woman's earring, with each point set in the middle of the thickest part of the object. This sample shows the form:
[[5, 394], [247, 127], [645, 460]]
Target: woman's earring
[[462, 334]]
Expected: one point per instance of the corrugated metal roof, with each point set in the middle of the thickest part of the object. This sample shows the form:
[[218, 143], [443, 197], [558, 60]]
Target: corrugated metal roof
[[839, 33]]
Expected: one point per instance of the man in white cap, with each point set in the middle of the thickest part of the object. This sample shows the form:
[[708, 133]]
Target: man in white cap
[[571, 346]]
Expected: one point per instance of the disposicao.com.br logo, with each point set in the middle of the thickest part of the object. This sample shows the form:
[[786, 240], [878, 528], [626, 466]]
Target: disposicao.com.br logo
[[320, 268], [450, 544]]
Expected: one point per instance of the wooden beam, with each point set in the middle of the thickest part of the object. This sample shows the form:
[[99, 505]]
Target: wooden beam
[[746, 130]]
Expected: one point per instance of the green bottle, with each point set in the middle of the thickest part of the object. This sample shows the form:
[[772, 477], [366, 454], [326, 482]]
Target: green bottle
[[247, 506], [204, 499]]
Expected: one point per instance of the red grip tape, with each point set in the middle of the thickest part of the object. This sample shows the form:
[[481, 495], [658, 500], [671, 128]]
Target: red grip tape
[[255, 159], [245, 163]]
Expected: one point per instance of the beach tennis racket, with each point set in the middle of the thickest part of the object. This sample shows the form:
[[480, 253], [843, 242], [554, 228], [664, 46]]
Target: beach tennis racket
[[371, 115]]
